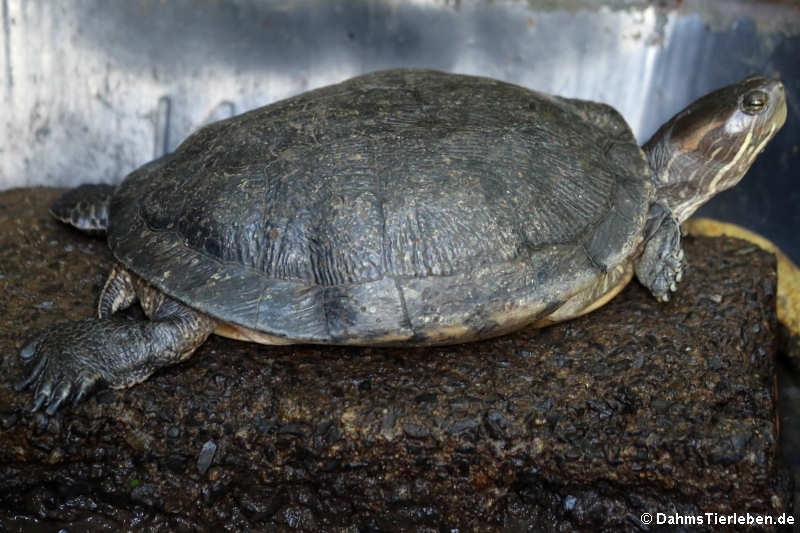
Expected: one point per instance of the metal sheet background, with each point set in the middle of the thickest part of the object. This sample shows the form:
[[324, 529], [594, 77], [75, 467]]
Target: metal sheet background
[[92, 89]]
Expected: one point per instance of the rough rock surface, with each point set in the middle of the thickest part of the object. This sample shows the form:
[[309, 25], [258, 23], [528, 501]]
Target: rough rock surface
[[638, 407]]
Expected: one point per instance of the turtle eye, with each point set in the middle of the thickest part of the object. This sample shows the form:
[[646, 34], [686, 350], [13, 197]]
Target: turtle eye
[[754, 101]]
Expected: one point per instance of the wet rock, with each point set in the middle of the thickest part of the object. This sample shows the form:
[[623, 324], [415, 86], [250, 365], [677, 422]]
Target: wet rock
[[139, 441], [637, 407], [145, 493], [206, 456]]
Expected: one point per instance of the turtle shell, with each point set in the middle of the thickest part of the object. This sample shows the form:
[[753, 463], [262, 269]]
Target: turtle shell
[[403, 206]]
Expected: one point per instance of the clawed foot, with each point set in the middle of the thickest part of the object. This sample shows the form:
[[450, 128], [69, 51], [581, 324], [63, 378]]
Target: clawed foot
[[64, 364], [671, 274], [68, 360], [661, 265]]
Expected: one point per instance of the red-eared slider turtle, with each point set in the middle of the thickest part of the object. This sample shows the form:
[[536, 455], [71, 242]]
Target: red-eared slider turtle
[[404, 207]]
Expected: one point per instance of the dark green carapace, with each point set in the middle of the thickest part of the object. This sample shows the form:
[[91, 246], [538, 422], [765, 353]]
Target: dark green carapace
[[404, 207]]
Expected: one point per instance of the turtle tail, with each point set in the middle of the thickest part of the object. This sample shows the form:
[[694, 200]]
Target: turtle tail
[[85, 207]]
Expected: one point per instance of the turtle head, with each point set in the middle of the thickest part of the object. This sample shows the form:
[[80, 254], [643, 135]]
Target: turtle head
[[708, 147]]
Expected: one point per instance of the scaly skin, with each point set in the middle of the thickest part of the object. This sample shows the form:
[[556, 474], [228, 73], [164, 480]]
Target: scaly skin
[[706, 148], [70, 359], [661, 264]]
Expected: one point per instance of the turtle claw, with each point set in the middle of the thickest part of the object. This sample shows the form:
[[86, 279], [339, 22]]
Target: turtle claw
[[61, 393], [52, 396], [29, 350], [663, 277], [85, 387], [60, 366], [31, 378], [40, 399], [666, 281]]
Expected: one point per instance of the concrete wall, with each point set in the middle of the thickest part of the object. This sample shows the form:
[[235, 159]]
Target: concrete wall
[[91, 89]]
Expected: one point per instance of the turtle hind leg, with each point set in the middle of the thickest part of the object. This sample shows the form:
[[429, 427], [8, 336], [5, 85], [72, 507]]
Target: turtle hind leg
[[661, 264], [85, 207], [70, 359], [119, 292]]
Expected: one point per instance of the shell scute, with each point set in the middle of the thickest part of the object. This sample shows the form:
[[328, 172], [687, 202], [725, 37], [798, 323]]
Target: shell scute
[[399, 205]]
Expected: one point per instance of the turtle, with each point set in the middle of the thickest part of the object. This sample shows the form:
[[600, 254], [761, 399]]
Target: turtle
[[404, 207]]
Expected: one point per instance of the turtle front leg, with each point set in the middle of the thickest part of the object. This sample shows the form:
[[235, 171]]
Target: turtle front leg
[[661, 264], [69, 359]]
